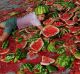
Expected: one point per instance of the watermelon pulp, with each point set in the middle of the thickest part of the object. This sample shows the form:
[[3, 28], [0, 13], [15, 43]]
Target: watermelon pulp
[[47, 60], [49, 31], [37, 45]]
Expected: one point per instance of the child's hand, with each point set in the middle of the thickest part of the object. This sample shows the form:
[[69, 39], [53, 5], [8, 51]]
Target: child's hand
[[29, 9], [40, 27]]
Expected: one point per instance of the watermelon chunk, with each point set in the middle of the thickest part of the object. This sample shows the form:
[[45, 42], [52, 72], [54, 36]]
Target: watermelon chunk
[[58, 24], [74, 29], [47, 60], [3, 51], [49, 2], [65, 16], [21, 43], [31, 55], [37, 45], [48, 21], [70, 22], [50, 30]]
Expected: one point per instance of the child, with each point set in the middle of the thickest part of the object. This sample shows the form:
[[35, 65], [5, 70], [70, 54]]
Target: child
[[33, 18]]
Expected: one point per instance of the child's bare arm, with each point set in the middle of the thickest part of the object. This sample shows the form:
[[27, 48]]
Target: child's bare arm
[[40, 27], [4, 36]]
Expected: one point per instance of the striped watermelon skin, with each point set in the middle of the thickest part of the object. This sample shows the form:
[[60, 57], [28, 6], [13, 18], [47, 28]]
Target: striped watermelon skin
[[41, 9]]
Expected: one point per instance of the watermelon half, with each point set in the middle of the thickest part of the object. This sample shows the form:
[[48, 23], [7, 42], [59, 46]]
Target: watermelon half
[[47, 60], [21, 43], [65, 16], [70, 22], [37, 45], [50, 30]]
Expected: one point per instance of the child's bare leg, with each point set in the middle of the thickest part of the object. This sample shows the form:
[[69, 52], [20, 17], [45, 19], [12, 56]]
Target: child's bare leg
[[4, 36], [2, 25]]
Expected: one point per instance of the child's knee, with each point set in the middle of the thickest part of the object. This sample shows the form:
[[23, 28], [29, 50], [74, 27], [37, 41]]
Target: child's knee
[[1, 39]]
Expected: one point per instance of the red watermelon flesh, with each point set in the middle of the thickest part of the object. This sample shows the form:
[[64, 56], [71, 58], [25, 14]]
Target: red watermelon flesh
[[49, 2], [37, 45], [70, 22], [47, 60], [74, 29], [65, 16], [21, 44], [3, 51], [11, 47], [77, 39], [75, 18], [76, 65], [31, 55], [48, 21], [50, 30], [58, 24], [8, 67], [12, 44]]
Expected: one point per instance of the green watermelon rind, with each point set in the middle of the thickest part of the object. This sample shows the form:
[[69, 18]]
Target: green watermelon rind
[[1, 53], [41, 9], [77, 55], [48, 63], [21, 42], [42, 32]]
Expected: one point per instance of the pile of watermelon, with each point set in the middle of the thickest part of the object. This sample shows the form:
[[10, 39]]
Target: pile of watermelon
[[53, 50]]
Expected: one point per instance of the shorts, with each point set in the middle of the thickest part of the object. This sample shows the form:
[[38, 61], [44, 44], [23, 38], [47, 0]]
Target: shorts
[[10, 25]]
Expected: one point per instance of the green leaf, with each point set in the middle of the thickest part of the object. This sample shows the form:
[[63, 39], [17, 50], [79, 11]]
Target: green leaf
[[51, 68], [9, 57], [51, 47], [5, 44]]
